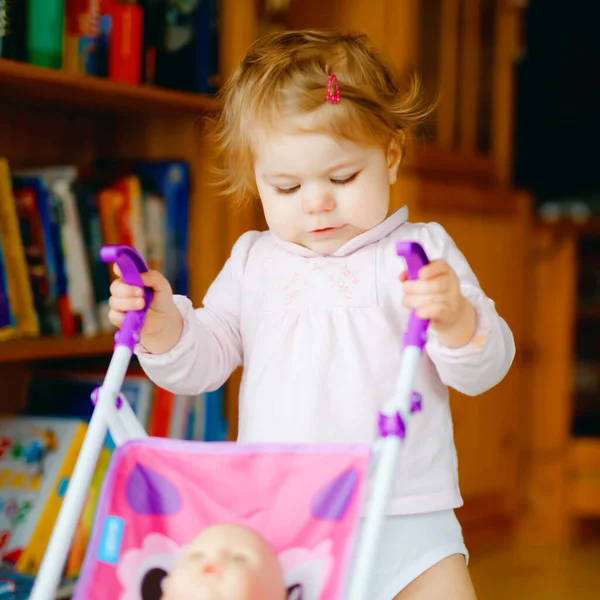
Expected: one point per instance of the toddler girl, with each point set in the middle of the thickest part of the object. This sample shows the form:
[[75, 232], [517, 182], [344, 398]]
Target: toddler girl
[[313, 127]]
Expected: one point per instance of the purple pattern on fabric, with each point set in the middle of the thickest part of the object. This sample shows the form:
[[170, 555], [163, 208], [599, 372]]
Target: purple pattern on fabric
[[416, 402], [391, 425], [332, 501], [149, 493]]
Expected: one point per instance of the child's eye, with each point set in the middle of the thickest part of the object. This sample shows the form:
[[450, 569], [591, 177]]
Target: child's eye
[[287, 190], [346, 180]]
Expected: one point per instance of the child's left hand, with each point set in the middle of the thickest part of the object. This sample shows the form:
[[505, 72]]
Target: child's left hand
[[436, 296]]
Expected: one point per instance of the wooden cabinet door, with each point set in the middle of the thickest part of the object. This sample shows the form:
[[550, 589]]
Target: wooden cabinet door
[[495, 245]]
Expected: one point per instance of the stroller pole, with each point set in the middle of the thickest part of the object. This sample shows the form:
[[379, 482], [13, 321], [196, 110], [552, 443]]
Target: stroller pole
[[55, 556], [393, 420]]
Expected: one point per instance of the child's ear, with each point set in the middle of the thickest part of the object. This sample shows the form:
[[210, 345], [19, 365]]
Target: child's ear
[[395, 154]]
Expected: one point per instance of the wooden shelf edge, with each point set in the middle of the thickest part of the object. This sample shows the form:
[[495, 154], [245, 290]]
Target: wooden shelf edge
[[24, 82], [584, 477], [55, 347]]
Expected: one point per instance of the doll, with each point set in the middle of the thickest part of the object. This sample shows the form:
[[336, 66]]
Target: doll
[[226, 562]]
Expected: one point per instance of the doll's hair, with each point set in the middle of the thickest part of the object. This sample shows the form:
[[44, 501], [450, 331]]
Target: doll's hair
[[285, 74]]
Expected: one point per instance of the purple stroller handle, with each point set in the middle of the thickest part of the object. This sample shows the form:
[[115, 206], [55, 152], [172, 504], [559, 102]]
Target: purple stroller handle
[[415, 258], [131, 265]]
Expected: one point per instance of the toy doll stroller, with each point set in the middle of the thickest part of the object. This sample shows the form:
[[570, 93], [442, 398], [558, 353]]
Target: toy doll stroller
[[158, 493]]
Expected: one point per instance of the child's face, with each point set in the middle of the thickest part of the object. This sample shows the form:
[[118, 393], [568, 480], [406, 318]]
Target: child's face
[[226, 562], [319, 191]]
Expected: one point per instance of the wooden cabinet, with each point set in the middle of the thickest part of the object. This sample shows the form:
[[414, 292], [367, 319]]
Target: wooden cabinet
[[487, 428], [560, 466]]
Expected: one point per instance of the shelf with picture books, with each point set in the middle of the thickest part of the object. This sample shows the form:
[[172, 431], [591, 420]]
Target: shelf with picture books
[[54, 288]]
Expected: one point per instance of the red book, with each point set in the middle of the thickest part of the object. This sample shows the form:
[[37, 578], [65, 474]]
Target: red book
[[126, 41], [160, 418]]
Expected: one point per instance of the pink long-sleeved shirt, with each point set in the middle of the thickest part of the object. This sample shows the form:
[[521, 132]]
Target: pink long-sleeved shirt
[[320, 338]]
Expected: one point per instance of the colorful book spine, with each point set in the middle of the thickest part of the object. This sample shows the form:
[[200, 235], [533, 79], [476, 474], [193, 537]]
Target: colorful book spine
[[33, 553], [171, 179], [84, 526], [53, 192], [15, 263], [154, 24], [13, 27], [91, 227], [45, 32], [188, 58], [81, 26], [32, 233], [7, 319], [125, 46]]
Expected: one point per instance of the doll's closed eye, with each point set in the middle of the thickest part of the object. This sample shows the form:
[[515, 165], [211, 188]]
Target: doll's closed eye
[[239, 558]]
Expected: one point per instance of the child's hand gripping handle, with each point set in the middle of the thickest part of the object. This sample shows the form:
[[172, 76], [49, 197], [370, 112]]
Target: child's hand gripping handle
[[131, 265], [415, 258]]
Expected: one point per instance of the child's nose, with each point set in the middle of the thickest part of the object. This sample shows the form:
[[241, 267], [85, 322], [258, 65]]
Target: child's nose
[[318, 202]]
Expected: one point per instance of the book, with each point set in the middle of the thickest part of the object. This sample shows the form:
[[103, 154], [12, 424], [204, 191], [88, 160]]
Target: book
[[37, 457], [81, 307], [91, 228], [15, 270], [57, 299], [171, 179], [188, 58], [7, 319], [45, 32], [13, 29], [125, 45], [81, 26]]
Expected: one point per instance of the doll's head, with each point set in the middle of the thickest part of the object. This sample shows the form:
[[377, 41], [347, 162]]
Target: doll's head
[[322, 168], [226, 562]]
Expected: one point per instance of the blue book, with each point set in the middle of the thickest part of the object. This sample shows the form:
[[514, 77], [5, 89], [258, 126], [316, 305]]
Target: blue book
[[7, 318], [215, 424], [68, 395], [189, 56], [54, 260], [91, 229], [171, 179]]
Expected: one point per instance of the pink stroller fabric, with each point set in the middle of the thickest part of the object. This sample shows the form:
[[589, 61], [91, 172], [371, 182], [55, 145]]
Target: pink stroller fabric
[[159, 493]]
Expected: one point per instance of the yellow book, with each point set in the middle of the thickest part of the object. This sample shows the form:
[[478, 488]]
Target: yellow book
[[86, 521], [31, 558], [37, 458], [19, 288]]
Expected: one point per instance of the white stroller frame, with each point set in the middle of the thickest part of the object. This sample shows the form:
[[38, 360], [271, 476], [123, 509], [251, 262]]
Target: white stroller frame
[[112, 412]]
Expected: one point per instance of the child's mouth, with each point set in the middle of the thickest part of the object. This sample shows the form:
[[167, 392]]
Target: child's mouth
[[325, 231]]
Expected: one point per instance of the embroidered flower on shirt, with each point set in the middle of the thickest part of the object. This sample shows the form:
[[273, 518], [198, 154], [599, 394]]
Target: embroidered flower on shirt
[[339, 276], [295, 287], [344, 280]]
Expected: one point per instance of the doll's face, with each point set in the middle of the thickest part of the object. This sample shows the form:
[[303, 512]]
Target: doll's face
[[226, 562]]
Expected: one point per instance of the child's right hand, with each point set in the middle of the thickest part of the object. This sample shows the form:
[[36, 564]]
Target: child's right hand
[[163, 323]]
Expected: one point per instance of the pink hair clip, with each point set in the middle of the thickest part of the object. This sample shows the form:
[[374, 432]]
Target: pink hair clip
[[333, 90]]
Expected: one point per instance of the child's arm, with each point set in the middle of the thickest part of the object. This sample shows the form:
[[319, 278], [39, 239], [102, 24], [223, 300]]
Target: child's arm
[[210, 344], [475, 353]]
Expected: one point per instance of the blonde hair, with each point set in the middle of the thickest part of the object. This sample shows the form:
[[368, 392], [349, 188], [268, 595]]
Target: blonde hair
[[286, 74]]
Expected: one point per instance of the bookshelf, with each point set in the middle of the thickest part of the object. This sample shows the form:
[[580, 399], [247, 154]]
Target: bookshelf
[[47, 348], [52, 117], [47, 87]]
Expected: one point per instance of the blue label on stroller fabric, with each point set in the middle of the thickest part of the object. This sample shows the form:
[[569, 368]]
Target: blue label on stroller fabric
[[110, 542]]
